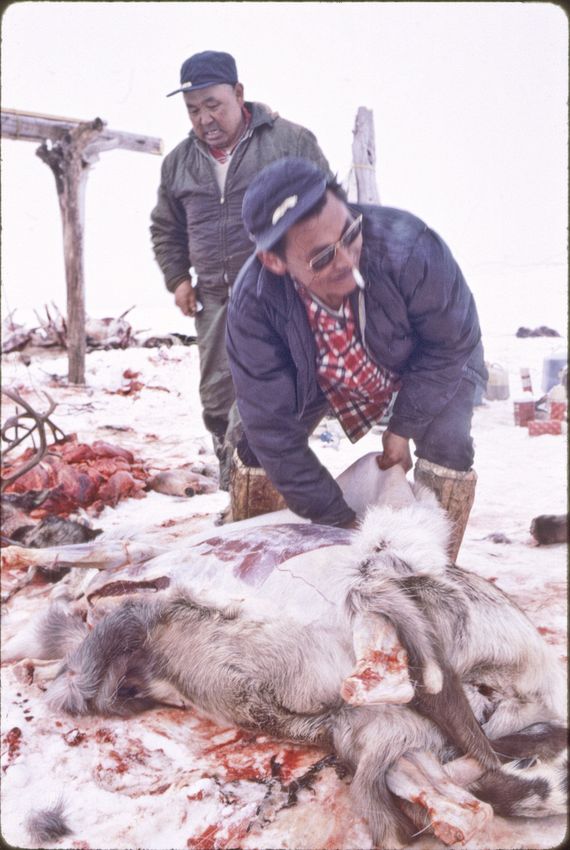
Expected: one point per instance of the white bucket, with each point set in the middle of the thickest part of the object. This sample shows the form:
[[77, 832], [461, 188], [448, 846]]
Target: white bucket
[[498, 384]]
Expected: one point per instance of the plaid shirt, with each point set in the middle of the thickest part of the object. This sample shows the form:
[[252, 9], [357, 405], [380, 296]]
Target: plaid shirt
[[357, 390]]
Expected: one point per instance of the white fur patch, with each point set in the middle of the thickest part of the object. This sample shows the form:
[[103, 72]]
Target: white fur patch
[[418, 535]]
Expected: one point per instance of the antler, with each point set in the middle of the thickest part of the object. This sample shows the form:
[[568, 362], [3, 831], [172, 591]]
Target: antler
[[39, 420]]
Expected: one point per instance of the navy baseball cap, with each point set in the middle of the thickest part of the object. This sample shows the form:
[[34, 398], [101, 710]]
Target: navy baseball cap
[[209, 68], [278, 197]]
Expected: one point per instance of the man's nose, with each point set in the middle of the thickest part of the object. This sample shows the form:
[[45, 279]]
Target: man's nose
[[344, 255], [206, 118]]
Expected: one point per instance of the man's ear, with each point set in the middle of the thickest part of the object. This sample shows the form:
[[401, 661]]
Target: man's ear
[[238, 90], [272, 262]]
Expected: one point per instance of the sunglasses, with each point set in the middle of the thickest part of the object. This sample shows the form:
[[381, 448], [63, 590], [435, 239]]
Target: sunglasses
[[327, 255]]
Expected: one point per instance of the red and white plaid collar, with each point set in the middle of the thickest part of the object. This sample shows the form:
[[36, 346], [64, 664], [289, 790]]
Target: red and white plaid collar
[[357, 389]]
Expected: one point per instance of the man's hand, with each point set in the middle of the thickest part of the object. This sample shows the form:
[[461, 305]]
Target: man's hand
[[396, 451], [185, 298], [352, 523]]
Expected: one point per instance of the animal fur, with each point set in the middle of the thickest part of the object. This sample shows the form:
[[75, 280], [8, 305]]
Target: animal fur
[[550, 528], [48, 825], [276, 676]]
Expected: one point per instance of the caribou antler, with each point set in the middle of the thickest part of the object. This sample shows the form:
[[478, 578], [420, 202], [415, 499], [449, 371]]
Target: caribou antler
[[15, 423]]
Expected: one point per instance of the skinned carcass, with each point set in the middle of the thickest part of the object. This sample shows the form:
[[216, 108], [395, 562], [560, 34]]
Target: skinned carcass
[[291, 646], [187, 480]]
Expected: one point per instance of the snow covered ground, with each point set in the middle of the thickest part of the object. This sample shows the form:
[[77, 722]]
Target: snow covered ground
[[173, 779]]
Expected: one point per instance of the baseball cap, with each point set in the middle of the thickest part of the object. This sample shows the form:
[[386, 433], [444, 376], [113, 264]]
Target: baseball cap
[[280, 195], [209, 68]]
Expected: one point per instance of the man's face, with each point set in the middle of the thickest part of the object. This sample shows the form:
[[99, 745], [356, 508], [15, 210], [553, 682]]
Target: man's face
[[216, 114], [308, 238]]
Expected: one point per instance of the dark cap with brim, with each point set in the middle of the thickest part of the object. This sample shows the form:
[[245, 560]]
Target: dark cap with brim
[[278, 197], [209, 68]]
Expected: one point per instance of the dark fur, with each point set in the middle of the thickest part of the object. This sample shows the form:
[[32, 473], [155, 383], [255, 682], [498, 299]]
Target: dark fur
[[550, 528], [47, 826]]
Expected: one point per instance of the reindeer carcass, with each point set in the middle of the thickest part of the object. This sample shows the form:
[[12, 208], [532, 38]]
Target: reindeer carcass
[[305, 632]]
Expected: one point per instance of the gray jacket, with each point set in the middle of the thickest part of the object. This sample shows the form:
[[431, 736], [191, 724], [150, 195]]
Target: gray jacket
[[193, 224]]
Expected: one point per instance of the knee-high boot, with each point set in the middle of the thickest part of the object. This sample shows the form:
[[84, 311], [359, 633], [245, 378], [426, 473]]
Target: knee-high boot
[[251, 491], [455, 492]]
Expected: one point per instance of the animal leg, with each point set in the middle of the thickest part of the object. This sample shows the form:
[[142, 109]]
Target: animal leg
[[39, 671], [464, 771], [540, 740], [372, 595], [455, 814], [451, 711], [381, 672], [371, 739], [535, 791], [534, 784]]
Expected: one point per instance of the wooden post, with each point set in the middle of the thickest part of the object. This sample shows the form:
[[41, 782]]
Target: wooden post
[[70, 147], [364, 157], [65, 158]]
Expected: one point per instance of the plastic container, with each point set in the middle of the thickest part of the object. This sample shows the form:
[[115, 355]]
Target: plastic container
[[498, 384], [523, 409], [557, 402], [551, 369]]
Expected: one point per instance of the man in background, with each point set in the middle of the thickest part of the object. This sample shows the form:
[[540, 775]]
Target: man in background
[[197, 222], [342, 306]]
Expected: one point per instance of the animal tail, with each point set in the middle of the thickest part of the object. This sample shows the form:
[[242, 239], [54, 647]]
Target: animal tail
[[49, 825]]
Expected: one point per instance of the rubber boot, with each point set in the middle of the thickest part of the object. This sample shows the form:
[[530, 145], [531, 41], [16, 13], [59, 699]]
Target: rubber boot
[[251, 491], [455, 492]]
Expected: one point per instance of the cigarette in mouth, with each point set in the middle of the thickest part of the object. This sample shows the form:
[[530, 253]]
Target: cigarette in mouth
[[358, 278]]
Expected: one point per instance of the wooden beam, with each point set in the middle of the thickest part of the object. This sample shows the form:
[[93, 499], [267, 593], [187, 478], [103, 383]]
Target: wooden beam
[[364, 157], [31, 127]]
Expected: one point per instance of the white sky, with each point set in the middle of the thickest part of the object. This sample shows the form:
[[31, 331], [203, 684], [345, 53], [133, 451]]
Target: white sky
[[469, 102]]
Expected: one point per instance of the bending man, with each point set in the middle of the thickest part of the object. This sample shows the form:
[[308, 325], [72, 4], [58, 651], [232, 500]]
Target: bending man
[[341, 307]]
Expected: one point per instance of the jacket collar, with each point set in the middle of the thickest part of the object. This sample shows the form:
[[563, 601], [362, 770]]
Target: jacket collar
[[277, 290], [261, 114]]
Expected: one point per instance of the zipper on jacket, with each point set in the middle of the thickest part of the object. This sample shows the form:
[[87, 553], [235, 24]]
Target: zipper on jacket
[[223, 193]]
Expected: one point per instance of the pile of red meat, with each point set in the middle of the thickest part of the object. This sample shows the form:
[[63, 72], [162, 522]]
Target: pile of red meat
[[74, 475]]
